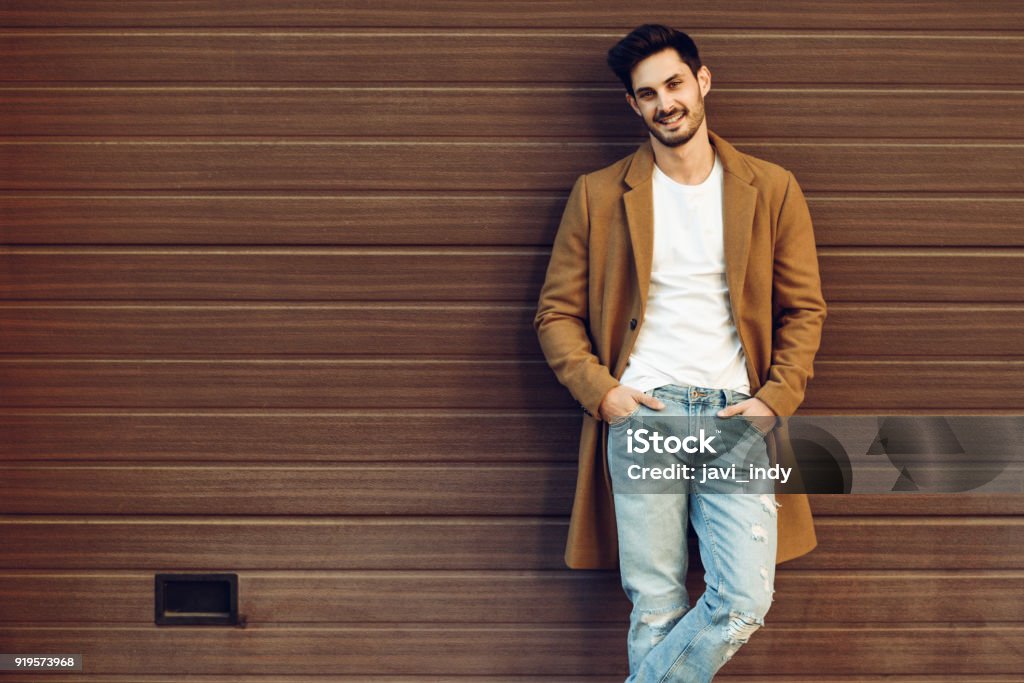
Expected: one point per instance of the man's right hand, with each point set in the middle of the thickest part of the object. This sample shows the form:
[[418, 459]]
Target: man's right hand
[[623, 400]]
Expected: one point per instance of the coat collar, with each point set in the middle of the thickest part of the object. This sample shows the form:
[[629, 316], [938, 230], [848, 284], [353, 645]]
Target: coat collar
[[641, 167], [739, 199]]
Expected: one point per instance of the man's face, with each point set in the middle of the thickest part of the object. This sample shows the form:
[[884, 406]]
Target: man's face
[[669, 98]]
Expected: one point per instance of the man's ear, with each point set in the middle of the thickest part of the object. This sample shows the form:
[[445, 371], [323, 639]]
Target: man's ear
[[704, 80], [632, 103]]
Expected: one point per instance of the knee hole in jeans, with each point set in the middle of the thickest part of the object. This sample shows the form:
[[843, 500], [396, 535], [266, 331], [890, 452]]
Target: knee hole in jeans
[[740, 627], [662, 621]]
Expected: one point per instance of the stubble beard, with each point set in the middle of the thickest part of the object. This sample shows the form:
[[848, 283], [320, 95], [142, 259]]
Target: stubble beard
[[680, 137]]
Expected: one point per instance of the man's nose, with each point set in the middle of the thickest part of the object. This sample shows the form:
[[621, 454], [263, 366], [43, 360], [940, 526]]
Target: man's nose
[[665, 103]]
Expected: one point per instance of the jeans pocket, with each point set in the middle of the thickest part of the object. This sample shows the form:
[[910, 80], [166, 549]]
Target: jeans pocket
[[615, 422], [763, 425]]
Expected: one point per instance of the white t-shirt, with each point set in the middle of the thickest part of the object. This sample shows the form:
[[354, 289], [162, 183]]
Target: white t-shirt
[[688, 336]]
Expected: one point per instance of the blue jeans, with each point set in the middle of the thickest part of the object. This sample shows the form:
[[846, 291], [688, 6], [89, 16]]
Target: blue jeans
[[668, 640]]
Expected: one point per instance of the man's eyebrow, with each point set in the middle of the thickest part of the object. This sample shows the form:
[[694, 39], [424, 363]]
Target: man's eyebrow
[[667, 80]]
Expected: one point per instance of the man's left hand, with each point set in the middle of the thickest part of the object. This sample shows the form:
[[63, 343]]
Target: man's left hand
[[755, 410], [752, 407]]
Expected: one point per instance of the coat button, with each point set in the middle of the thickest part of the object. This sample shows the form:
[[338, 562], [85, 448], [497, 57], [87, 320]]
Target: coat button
[[632, 324]]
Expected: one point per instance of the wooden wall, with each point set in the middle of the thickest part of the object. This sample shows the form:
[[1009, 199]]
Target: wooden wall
[[261, 261]]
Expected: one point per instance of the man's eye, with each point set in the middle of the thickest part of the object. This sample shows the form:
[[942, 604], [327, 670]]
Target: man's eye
[[674, 84]]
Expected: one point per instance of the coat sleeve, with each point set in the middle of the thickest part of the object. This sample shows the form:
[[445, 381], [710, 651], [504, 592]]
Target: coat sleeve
[[798, 307], [562, 313]]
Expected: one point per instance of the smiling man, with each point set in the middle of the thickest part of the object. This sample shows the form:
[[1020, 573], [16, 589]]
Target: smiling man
[[683, 282]]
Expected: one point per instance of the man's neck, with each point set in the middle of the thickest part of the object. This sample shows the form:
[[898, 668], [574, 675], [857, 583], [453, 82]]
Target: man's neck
[[688, 164]]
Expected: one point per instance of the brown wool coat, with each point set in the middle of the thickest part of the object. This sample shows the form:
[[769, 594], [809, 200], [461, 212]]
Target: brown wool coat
[[597, 284]]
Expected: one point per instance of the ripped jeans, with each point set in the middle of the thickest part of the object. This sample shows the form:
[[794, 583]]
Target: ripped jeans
[[668, 640]]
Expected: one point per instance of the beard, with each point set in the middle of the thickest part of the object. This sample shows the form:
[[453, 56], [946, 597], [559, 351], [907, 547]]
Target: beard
[[690, 125]]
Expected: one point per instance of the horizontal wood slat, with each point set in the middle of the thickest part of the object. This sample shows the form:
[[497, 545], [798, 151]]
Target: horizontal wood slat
[[870, 14], [342, 165], [899, 276], [449, 274], [307, 435], [920, 331], [555, 597], [181, 543], [452, 56], [544, 597], [320, 490], [916, 222], [383, 489], [542, 112], [898, 385], [490, 219], [360, 385], [400, 648], [453, 330], [464, 385], [94, 542], [302, 274], [434, 331]]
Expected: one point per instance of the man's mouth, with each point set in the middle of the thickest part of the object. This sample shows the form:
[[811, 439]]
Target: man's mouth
[[674, 118]]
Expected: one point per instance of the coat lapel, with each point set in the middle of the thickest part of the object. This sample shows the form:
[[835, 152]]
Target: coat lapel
[[739, 201], [639, 203]]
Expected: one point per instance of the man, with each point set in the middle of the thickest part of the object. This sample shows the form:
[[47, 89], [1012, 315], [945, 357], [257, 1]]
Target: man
[[683, 281]]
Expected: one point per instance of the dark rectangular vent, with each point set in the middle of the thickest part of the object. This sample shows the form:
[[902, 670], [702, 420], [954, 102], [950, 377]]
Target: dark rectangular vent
[[191, 599]]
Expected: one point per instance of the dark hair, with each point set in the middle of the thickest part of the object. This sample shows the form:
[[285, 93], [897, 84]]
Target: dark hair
[[647, 40]]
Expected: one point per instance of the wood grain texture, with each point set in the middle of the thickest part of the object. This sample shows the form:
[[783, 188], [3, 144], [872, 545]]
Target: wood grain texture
[[400, 649], [948, 276], [265, 437], [486, 219], [873, 220], [310, 274], [497, 597], [922, 331], [448, 330], [256, 277], [303, 274], [871, 14], [375, 543], [541, 112], [385, 330], [383, 488], [295, 384], [464, 385], [294, 164], [900, 385], [270, 436], [350, 56]]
